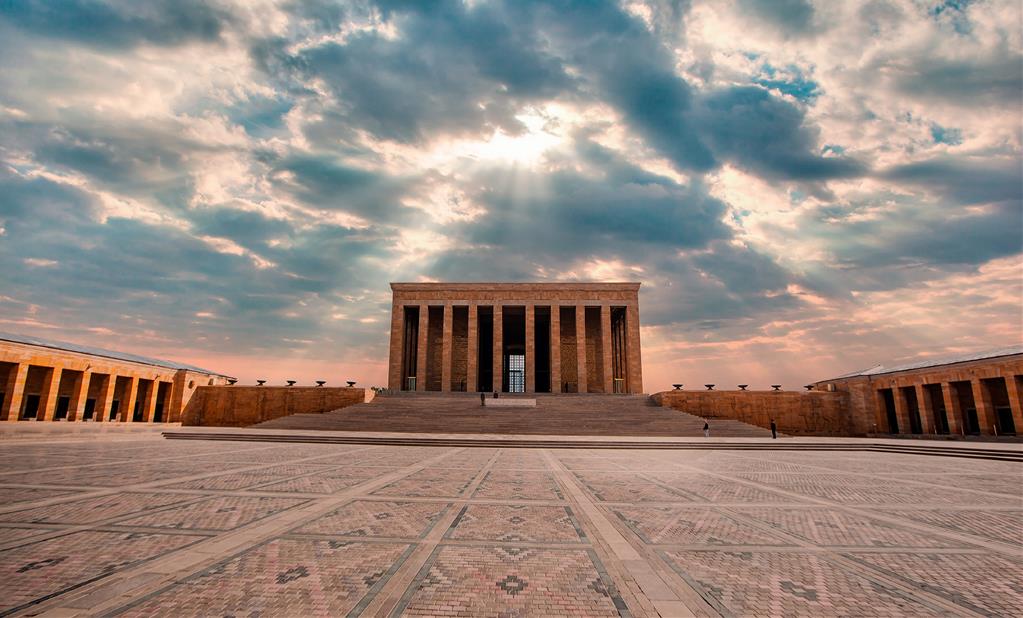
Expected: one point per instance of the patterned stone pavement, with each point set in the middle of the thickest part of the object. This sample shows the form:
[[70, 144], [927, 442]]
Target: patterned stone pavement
[[143, 526]]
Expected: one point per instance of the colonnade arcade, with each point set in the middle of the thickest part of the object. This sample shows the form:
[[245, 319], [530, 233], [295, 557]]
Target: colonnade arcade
[[529, 338]]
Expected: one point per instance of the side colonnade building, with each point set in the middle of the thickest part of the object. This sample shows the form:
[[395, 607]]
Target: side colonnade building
[[564, 337], [969, 394], [47, 380]]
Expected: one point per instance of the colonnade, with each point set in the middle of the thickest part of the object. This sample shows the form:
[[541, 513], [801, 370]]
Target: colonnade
[[590, 347], [988, 405]]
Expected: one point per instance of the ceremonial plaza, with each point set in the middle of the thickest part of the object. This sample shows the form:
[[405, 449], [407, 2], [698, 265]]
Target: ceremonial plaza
[[512, 465]]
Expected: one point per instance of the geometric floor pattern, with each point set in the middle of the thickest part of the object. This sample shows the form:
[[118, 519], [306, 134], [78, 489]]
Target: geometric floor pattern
[[135, 525]]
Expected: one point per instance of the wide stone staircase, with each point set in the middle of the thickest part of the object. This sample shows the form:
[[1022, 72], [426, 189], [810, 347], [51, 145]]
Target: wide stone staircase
[[563, 414]]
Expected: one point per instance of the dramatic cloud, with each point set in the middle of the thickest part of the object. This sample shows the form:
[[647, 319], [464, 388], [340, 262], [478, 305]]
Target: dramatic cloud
[[804, 187]]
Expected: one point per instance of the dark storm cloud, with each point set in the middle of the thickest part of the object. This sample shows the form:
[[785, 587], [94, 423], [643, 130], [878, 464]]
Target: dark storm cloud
[[995, 79], [118, 23], [454, 69], [768, 136], [793, 17], [964, 180]]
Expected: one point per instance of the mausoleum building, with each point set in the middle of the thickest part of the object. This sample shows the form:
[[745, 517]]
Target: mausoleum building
[[564, 337]]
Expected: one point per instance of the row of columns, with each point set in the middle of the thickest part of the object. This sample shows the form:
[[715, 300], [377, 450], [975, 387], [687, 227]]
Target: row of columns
[[953, 411], [14, 395], [630, 369]]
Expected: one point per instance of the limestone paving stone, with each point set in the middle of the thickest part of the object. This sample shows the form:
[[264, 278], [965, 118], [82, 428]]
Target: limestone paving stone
[[1002, 526], [220, 513], [509, 581], [372, 518], [518, 485], [326, 482], [12, 495], [513, 523], [284, 577], [717, 490], [764, 583], [984, 583], [691, 526], [96, 509], [36, 570], [637, 491], [13, 534], [832, 527], [244, 480]]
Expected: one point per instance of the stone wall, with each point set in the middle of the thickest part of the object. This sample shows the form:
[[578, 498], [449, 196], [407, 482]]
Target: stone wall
[[813, 413], [240, 406]]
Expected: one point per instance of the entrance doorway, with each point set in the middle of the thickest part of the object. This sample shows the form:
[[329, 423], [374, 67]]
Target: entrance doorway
[[516, 373]]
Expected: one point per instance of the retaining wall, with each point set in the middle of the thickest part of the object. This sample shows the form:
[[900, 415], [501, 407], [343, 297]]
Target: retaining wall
[[807, 413], [240, 406]]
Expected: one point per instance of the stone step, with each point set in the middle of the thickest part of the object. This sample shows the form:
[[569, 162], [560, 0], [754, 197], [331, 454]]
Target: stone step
[[461, 413]]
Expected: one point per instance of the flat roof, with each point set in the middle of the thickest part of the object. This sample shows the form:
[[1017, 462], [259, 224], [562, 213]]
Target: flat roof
[[937, 361], [490, 285], [84, 349]]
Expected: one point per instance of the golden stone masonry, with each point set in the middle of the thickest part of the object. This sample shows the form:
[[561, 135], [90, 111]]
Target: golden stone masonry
[[515, 337]]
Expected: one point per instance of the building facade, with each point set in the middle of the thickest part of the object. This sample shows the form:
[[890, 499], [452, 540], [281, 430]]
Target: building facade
[[975, 394], [515, 337], [45, 380]]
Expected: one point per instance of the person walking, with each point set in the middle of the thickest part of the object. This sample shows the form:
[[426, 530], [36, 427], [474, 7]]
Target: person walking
[[774, 430], [706, 429]]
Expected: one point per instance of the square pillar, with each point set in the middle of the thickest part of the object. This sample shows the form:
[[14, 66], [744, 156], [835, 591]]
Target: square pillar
[[580, 341], [632, 349], [1012, 387], [952, 411], [77, 407], [394, 377], [985, 412], [901, 413], [472, 359], [555, 349], [498, 348], [424, 327], [605, 348], [530, 348], [447, 334], [106, 399], [926, 409], [15, 389], [127, 408], [149, 403], [48, 398]]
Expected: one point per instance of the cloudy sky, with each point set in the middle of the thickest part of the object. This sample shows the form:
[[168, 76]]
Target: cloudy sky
[[804, 188]]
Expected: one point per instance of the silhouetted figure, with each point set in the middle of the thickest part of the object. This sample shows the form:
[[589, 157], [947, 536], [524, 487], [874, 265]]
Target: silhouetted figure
[[483, 399], [495, 394], [774, 430], [706, 430]]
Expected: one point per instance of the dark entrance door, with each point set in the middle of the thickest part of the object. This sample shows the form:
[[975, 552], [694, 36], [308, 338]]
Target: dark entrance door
[[63, 403], [90, 409], [31, 406]]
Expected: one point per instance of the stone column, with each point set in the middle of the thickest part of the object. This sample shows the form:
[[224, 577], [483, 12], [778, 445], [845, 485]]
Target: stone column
[[952, 411], [900, 411], [498, 347], [472, 358], [605, 348], [15, 393], [48, 398], [985, 411], [447, 335], [149, 404], [396, 355], [424, 328], [926, 408], [127, 407], [105, 399], [1013, 389], [77, 406], [580, 344], [530, 348], [633, 349], [556, 349]]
